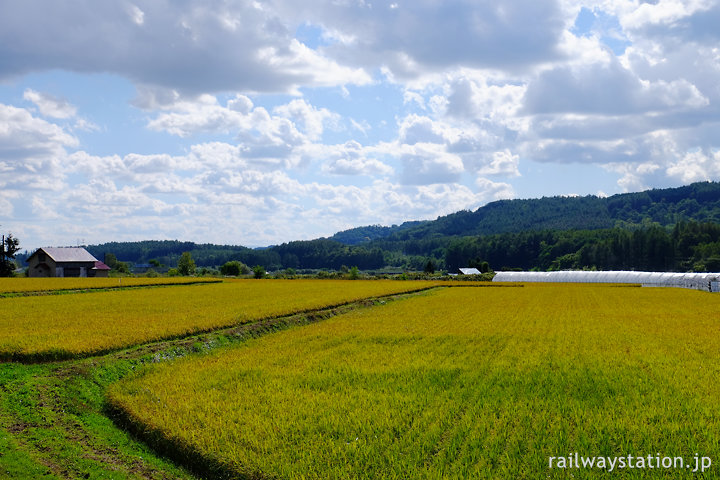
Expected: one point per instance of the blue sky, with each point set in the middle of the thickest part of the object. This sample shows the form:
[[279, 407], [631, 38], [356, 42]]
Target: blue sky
[[260, 122]]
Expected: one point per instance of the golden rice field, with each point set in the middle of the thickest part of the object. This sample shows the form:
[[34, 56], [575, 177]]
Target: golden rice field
[[101, 321], [22, 285], [454, 383]]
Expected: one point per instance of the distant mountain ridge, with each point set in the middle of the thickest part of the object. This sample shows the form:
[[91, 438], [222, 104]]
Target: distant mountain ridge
[[660, 229], [698, 201]]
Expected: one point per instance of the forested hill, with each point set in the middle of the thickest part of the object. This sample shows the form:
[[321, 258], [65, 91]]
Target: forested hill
[[668, 229], [698, 201]]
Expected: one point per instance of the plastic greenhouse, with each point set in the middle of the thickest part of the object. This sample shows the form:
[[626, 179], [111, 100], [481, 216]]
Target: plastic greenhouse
[[697, 281]]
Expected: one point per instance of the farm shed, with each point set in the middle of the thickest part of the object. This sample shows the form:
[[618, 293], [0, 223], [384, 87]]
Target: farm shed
[[65, 262], [697, 281]]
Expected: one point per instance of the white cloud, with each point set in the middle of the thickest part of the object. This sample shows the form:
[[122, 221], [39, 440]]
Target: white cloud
[[635, 176], [662, 13], [31, 151], [419, 129], [490, 190], [50, 106], [429, 163], [349, 159], [312, 119], [201, 115], [696, 166], [137, 15], [192, 47], [469, 91], [480, 98], [503, 163], [607, 89], [425, 36]]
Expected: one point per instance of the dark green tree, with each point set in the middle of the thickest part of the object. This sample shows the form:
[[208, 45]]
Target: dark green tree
[[258, 271], [186, 264], [429, 266], [110, 260], [354, 273], [234, 268], [121, 267], [10, 246]]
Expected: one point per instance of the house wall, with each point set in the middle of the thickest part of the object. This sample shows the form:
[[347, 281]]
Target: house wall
[[41, 267], [73, 269], [97, 273]]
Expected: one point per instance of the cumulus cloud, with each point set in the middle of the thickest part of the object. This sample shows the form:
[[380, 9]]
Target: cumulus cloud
[[261, 133], [607, 89], [350, 159], [490, 190], [32, 151], [479, 98], [429, 163], [311, 119], [190, 46], [411, 38], [696, 166], [444, 103], [502, 163], [49, 105]]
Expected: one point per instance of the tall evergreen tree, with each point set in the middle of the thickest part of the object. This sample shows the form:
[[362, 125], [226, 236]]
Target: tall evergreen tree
[[10, 246]]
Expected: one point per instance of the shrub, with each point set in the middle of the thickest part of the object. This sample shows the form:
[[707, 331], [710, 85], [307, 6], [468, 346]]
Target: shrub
[[234, 268], [354, 273], [258, 271]]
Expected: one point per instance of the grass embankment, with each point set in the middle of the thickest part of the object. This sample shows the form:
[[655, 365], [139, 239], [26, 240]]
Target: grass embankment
[[456, 383], [57, 327]]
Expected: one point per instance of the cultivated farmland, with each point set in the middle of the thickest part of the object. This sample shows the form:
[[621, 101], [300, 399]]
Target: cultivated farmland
[[61, 326], [454, 383], [37, 285]]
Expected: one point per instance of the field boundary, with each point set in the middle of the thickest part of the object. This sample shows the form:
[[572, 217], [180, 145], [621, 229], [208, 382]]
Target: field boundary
[[57, 355]]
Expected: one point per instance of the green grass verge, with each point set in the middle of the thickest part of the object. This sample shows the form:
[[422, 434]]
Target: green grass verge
[[52, 425]]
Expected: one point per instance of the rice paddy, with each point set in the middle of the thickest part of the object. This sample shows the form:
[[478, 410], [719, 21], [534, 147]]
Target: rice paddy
[[36, 285], [61, 326], [453, 383]]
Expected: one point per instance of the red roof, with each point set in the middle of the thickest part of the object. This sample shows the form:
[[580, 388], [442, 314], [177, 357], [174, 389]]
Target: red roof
[[100, 266]]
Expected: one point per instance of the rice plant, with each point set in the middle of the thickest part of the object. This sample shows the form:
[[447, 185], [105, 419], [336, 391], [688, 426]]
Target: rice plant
[[457, 383]]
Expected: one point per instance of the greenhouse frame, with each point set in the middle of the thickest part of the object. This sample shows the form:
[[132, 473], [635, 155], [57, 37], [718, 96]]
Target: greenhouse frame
[[708, 282]]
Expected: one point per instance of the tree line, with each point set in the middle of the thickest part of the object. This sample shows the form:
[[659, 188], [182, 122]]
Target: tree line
[[688, 246], [671, 229]]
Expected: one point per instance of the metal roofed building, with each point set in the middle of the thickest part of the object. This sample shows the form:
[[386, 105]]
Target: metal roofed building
[[697, 281], [65, 262], [469, 271]]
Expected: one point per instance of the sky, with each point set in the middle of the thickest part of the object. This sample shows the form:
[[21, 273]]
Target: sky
[[261, 122]]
